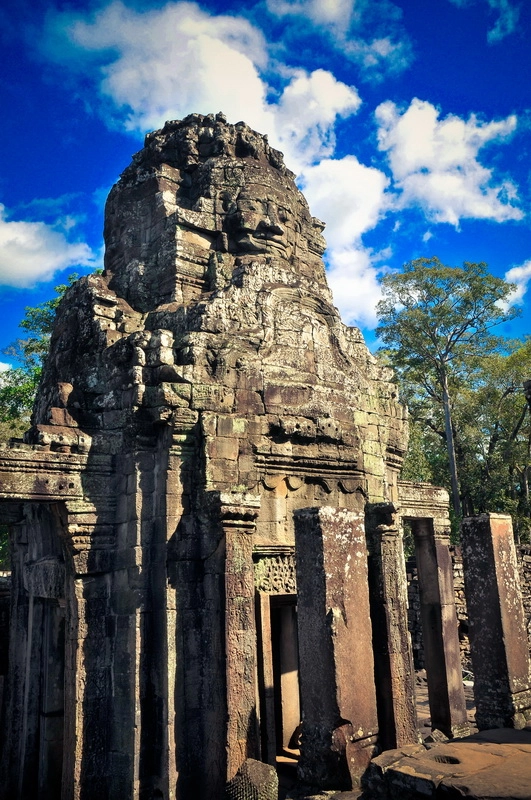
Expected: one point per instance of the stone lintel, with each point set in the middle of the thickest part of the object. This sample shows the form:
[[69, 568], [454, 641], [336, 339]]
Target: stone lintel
[[498, 641], [335, 645], [239, 510]]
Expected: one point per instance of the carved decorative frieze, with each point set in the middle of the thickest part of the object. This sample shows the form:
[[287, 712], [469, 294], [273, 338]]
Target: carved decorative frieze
[[274, 573]]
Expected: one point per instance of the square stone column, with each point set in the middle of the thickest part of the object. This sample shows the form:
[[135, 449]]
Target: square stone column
[[336, 668], [498, 641], [393, 658], [238, 519], [439, 629]]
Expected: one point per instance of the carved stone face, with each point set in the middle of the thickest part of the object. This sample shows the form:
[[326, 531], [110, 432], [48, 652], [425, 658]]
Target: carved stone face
[[256, 223], [202, 186]]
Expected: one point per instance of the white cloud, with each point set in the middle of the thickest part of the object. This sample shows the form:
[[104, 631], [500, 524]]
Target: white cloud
[[34, 251], [368, 32], [521, 277], [4, 366], [435, 162], [348, 195], [351, 198], [353, 278], [166, 63], [507, 21], [305, 116], [320, 12]]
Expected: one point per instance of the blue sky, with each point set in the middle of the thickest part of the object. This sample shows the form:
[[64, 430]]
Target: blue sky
[[408, 123]]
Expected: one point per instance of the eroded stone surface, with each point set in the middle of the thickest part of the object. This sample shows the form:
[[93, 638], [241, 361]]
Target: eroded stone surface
[[206, 361], [487, 766], [498, 641]]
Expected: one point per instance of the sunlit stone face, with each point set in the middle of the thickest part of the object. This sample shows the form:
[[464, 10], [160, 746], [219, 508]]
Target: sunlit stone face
[[255, 223], [201, 187]]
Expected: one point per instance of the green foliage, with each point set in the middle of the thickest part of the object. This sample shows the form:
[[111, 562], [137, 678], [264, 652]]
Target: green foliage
[[461, 381], [18, 385]]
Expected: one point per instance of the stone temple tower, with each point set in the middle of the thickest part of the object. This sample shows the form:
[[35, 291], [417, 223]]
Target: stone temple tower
[[187, 511]]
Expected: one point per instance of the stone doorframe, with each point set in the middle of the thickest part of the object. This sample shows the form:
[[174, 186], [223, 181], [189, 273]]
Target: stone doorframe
[[426, 507], [274, 576]]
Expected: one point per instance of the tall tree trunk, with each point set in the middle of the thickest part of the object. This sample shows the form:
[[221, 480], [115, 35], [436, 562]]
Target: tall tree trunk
[[450, 444]]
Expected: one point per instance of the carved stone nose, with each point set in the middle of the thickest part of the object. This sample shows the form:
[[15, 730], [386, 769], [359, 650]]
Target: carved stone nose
[[272, 225]]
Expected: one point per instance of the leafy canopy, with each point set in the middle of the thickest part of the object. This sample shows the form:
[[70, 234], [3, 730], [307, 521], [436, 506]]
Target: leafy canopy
[[18, 385], [436, 323], [437, 317]]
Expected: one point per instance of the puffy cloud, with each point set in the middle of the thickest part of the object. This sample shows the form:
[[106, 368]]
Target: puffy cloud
[[305, 116], [435, 163], [349, 196], [163, 63], [353, 278], [320, 12], [34, 251], [4, 366], [507, 21], [521, 277], [166, 63]]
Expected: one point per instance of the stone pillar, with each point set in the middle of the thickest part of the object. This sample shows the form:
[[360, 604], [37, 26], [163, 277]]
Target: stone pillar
[[393, 660], [238, 519], [336, 668], [439, 629], [498, 641]]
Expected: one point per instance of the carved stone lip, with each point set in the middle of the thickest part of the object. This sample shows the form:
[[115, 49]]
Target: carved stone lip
[[260, 242]]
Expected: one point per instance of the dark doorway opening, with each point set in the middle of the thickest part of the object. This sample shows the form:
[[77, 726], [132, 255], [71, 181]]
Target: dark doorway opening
[[285, 651]]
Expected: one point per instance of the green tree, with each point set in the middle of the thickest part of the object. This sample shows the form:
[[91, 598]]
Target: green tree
[[18, 385], [436, 324]]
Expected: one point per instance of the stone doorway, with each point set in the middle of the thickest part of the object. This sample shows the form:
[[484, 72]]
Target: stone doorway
[[438, 621], [278, 677], [286, 691]]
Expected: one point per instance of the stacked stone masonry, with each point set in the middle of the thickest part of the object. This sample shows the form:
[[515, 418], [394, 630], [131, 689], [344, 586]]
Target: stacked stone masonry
[[211, 446]]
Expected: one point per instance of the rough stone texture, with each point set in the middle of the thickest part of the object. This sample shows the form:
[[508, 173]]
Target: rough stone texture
[[523, 555], [339, 723], [253, 781], [426, 509], [391, 640], [490, 765], [500, 655], [414, 623], [207, 360], [198, 396], [5, 601]]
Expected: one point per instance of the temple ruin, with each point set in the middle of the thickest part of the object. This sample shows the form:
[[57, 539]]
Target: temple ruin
[[206, 516]]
